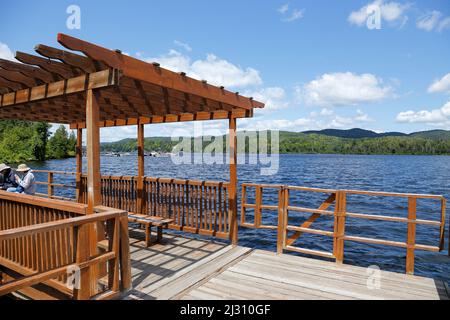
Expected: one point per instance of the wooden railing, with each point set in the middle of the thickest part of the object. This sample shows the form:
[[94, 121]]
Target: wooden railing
[[287, 234], [42, 240], [200, 207], [51, 186]]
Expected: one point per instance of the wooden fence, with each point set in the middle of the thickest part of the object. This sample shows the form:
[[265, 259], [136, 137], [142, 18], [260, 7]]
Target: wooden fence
[[42, 240], [200, 207], [287, 234]]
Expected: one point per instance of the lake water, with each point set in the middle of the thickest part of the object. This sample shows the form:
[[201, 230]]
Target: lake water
[[414, 174]]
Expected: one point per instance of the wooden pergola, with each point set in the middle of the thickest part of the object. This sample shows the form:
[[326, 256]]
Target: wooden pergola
[[99, 87]]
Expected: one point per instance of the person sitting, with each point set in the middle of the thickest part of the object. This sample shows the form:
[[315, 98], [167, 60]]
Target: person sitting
[[26, 181], [7, 177]]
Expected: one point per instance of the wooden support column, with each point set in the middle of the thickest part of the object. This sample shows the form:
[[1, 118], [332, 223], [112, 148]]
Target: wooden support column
[[141, 163], [96, 232], [93, 151], [79, 164], [339, 226], [232, 192], [411, 238], [81, 246], [283, 202]]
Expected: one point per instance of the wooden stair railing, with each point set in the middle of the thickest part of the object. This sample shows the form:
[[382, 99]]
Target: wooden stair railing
[[116, 257]]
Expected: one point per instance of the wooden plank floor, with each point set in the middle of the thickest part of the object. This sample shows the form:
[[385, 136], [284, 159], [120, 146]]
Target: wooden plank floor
[[187, 268]]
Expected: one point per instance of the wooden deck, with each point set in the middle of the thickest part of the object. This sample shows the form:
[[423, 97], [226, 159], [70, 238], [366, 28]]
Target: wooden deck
[[187, 268]]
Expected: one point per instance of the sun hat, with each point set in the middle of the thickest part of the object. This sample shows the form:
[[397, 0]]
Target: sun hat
[[4, 167], [22, 168]]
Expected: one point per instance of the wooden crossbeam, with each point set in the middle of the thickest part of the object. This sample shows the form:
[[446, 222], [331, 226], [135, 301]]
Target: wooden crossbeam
[[199, 116], [57, 68], [19, 78], [74, 85], [11, 86], [154, 74], [29, 71], [325, 205], [83, 63]]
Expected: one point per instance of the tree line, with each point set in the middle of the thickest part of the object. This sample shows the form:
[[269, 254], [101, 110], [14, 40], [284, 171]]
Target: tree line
[[293, 142], [32, 141]]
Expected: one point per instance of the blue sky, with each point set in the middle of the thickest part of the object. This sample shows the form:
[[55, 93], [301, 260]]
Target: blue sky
[[315, 63]]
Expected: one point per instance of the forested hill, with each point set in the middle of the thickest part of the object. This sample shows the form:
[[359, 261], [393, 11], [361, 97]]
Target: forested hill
[[357, 133], [354, 141], [29, 141]]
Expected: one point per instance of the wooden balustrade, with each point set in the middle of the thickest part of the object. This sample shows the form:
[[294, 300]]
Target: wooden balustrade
[[340, 214], [41, 240], [196, 206]]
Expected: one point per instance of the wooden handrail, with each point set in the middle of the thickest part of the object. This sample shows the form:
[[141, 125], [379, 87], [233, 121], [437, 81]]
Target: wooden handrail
[[58, 225], [340, 213], [47, 203]]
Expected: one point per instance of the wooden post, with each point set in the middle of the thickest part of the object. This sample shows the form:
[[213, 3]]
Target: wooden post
[[233, 182], [50, 184], [79, 163], [283, 200], [243, 203], [125, 265], [93, 177], [442, 229], [141, 168], [339, 226], [411, 239], [258, 202], [81, 248], [93, 151]]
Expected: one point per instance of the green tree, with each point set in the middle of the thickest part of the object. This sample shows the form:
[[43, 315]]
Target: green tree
[[59, 144]]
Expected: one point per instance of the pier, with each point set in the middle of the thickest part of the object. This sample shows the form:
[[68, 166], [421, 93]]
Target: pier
[[90, 245]]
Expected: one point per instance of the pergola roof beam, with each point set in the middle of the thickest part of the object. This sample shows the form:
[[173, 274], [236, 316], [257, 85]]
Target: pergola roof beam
[[18, 77], [29, 71], [150, 73], [60, 69], [77, 61]]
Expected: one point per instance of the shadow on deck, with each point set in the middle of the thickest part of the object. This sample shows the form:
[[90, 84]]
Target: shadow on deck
[[186, 268]]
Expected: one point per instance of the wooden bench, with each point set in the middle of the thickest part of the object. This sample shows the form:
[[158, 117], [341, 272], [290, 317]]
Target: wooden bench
[[149, 222]]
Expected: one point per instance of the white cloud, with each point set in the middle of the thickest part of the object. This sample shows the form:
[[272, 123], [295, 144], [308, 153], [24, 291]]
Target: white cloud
[[273, 97], [429, 21], [324, 119], [284, 8], [440, 85], [213, 69], [392, 12], [343, 89], [5, 52], [295, 15], [183, 45], [433, 21], [444, 24], [290, 15], [362, 117], [436, 117]]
